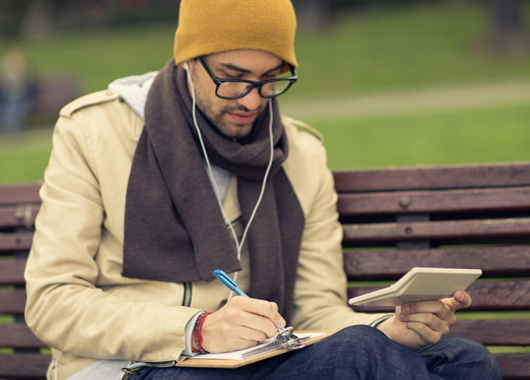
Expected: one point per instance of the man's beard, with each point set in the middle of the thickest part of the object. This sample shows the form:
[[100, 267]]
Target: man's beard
[[222, 125]]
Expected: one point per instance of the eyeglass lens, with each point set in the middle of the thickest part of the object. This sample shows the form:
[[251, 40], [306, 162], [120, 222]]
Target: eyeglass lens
[[234, 89]]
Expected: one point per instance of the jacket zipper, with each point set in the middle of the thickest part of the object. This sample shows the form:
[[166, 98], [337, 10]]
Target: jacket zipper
[[186, 298], [135, 367]]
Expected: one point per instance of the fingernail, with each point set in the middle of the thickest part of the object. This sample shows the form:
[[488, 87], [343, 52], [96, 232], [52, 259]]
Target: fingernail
[[400, 317], [281, 322], [405, 309]]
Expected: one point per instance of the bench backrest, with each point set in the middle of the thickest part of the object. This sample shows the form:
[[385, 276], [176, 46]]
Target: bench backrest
[[454, 217], [394, 219], [21, 358]]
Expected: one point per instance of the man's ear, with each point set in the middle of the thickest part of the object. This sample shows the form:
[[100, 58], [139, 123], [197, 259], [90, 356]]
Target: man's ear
[[184, 65]]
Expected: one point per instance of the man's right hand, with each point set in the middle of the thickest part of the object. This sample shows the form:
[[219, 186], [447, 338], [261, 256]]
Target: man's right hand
[[243, 322]]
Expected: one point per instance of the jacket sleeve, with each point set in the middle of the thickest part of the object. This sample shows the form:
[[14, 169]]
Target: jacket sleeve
[[320, 300], [65, 308]]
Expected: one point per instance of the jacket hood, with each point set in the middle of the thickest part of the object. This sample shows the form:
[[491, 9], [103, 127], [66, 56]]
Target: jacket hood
[[134, 90]]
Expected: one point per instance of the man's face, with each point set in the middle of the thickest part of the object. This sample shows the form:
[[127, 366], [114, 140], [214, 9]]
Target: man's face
[[234, 118]]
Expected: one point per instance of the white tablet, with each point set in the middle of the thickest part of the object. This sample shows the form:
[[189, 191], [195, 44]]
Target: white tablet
[[420, 284]]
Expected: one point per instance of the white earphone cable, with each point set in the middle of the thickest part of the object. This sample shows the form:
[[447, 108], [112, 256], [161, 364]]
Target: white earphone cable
[[208, 165], [266, 174], [239, 244], [56, 365]]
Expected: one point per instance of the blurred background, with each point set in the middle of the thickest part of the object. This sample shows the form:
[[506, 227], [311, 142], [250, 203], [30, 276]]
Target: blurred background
[[387, 82]]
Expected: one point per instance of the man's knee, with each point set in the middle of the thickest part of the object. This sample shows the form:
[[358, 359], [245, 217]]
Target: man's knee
[[463, 356], [362, 341], [479, 357], [364, 337]]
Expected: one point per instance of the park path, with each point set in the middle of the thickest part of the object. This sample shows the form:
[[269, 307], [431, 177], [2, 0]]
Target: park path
[[416, 101], [443, 99]]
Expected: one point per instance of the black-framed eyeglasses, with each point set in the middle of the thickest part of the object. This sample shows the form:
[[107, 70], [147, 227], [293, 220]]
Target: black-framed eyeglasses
[[237, 88]]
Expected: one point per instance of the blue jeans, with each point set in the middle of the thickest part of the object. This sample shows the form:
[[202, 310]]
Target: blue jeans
[[357, 352]]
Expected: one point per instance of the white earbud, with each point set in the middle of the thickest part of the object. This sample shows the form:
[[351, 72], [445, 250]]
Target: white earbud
[[186, 65]]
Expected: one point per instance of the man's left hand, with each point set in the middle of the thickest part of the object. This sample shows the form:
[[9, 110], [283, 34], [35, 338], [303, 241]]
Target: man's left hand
[[419, 324]]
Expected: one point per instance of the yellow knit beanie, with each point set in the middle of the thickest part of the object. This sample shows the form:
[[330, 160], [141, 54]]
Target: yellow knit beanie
[[213, 26]]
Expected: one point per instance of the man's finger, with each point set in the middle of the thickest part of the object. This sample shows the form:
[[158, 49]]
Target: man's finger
[[460, 300], [269, 318], [426, 335]]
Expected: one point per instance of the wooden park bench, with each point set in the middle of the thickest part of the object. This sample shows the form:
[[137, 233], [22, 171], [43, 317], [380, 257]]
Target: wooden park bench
[[455, 217], [394, 219], [20, 357]]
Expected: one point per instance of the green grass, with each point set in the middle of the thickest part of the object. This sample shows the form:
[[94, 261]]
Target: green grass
[[24, 158], [498, 134], [6, 319], [403, 47], [457, 137], [24, 166]]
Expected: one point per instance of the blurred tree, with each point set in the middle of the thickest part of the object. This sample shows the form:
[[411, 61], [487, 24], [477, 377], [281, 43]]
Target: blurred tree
[[38, 19], [313, 15], [11, 15], [508, 31], [136, 5], [316, 15]]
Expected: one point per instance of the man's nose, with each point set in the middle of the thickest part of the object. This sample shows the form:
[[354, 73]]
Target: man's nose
[[251, 101]]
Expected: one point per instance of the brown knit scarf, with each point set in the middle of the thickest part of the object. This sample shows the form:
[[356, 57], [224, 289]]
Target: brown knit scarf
[[174, 229]]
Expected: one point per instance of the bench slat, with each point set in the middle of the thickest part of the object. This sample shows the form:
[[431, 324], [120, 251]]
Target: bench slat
[[507, 261], [15, 242], [12, 301], [500, 295], [503, 199], [514, 366], [18, 216], [22, 193], [12, 272], [28, 366], [510, 332], [487, 296], [438, 177], [18, 335], [437, 230]]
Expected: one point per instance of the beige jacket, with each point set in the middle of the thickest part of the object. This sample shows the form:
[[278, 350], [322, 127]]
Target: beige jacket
[[78, 302]]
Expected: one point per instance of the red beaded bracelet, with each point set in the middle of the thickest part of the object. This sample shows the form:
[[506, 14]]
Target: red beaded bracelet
[[197, 333]]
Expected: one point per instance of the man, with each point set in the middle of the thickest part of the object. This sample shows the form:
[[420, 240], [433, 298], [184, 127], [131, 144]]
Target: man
[[154, 184]]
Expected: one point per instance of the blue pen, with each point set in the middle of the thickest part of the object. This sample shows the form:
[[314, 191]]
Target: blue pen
[[227, 280], [285, 338]]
